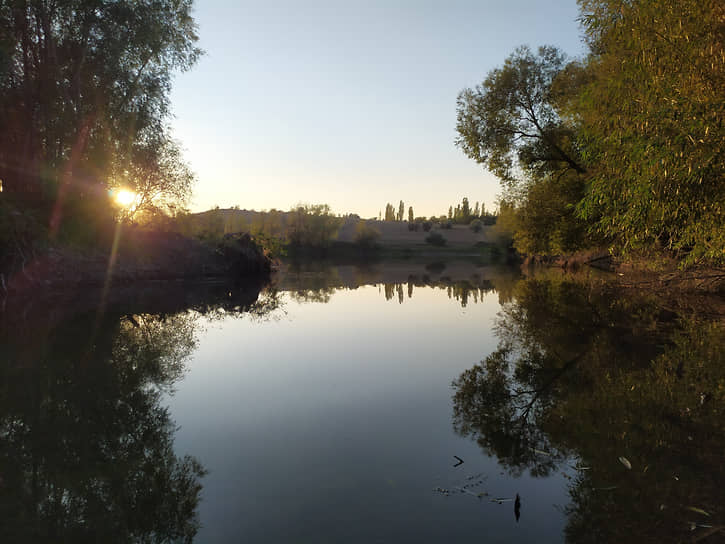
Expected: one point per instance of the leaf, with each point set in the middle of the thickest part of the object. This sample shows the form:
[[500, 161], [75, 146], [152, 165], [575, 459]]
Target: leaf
[[625, 462], [698, 510]]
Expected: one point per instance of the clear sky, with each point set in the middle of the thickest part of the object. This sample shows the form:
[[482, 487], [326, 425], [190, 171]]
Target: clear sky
[[349, 103]]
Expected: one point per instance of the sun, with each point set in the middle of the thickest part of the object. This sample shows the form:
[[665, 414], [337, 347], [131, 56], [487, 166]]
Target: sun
[[125, 198]]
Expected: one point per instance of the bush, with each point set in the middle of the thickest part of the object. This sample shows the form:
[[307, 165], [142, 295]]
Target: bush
[[436, 239], [365, 235], [427, 225], [476, 225], [413, 226]]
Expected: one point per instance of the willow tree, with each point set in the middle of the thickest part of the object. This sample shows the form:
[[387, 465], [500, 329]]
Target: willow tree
[[653, 120]]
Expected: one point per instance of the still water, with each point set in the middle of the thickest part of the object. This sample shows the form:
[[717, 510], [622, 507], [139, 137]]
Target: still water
[[337, 403]]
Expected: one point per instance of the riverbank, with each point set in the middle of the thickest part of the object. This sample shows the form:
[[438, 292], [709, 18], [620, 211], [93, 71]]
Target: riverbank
[[650, 271], [137, 255]]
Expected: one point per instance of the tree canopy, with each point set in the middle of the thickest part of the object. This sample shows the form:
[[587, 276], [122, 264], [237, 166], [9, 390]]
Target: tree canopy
[[82, 86], [624, 147]]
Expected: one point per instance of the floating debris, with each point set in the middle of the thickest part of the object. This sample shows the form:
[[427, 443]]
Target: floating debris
[[541, 452], [606, 488], [625, 462], [698, 510], [463, 490], [501, 500], [694, 525]]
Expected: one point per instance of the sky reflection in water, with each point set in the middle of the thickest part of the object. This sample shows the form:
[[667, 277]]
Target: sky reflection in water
[[326, 413], [332, 422]]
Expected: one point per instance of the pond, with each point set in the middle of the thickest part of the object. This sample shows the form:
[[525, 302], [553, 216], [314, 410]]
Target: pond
[[398, 402]]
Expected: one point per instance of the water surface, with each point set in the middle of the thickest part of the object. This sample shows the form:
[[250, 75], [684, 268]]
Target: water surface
[[335, 404]]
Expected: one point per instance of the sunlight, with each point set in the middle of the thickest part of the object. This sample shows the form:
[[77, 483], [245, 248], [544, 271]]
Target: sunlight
[[125, 198]]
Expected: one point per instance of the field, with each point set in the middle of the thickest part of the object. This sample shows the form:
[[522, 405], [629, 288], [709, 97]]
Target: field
[[396, 233]]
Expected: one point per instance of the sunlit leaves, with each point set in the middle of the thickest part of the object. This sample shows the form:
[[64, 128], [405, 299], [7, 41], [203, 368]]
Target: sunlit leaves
[[652, 118]]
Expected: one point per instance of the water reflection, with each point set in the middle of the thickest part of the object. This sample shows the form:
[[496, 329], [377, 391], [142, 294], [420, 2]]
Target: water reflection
[[464, 282], [86, 443], [624, 397]]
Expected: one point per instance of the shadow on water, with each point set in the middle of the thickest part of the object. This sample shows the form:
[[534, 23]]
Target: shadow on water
[[625, 398], [86, 445]]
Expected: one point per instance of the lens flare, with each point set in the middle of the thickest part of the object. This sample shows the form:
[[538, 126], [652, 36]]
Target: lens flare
[[125, 198]]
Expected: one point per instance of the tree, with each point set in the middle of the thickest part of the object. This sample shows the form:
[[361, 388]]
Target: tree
[[157, 173], [401, 211], [465, 210], [312, 225], [652, 113], [366, 236], [450, 212], [389, 212], [510, 122], [520, 124], [81, 83], [411, 217]]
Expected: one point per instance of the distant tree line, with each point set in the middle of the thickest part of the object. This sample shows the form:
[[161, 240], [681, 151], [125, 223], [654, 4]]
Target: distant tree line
[[624, 148], [462, 214], [305, 225]]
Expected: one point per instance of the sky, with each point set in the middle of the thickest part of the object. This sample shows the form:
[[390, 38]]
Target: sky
[[347, 103]]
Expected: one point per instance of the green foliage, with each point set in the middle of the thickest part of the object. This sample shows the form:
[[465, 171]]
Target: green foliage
[[84, 96], [365, 235], [545, 222], [389, 212], [312, 226], [510, 122], [624, 148], [476, 225], [435, 239], [652, 117]]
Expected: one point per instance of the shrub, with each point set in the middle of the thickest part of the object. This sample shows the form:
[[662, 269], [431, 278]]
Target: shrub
[[476, 225], [436, 239], [365, 235]]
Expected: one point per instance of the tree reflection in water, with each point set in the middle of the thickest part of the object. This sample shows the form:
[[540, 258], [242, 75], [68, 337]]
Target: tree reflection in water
[[86, 444], [584, 374]]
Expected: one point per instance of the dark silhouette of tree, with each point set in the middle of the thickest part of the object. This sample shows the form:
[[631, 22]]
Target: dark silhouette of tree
[[86, 441], [81, 85]]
